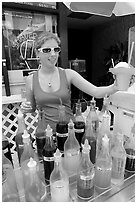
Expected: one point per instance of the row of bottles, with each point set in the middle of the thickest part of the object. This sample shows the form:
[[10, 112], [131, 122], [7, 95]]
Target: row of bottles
[[94, 156]]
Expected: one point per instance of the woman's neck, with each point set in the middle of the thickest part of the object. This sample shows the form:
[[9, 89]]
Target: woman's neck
[[46, 70]]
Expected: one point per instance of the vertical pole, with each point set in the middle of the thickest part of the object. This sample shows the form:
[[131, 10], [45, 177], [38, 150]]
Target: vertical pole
[[63, 34]]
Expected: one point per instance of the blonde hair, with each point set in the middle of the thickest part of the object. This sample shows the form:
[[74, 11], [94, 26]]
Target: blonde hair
[[43, 37]]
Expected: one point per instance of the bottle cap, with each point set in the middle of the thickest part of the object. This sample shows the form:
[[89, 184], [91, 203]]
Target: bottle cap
[[106, 115], [32, 163], [48, 130], [93, 102], [105, 140], [26, 136], [70, 124], [57, 155], [20, 114], [86, 147]]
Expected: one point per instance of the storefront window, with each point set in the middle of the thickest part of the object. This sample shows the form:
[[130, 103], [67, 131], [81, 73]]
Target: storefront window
[[19, 33]]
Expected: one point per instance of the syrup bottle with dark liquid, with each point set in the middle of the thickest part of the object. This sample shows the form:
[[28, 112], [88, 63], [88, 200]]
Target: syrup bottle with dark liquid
[[40, 133], [79, 123], [48, 153], [61, 129]]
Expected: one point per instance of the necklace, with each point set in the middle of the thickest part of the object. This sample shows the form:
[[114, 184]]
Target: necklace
[[49, 84], [50, 79]]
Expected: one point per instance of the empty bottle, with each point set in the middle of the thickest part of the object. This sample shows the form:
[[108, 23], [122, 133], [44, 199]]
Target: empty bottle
[[118, 154], [86, 173], [61, 128], [71, 151], [104, 110], [40, 133], [59, 181], [34, 187], [79, 123], [92, 138], [103, 167], [28, 152], [92, 117], [104, 130], [48, 153]]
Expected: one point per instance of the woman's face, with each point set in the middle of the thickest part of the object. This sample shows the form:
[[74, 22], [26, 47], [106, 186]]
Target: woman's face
[[49, 59]]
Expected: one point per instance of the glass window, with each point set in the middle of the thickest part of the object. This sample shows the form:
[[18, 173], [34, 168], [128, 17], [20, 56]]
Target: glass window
[[19, 32]]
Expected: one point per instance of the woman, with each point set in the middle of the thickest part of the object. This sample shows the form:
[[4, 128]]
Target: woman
[[50, 85]]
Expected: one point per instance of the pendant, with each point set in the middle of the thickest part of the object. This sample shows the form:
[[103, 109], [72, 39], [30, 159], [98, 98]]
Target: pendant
[[49, 84]]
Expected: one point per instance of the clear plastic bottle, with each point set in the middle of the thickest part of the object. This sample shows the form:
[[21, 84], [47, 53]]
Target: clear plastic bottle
[[86, 173], [71, 151], [79, 123], [6, 147], [130, 152], [104, 129], [48, 153], [92, 117], [40, 133], [103, 167], [61, 128], [20, 131], [34, 187], [9, 187], [59, 181], [92, 138], [104, 109], [28, 152], [118, 154]]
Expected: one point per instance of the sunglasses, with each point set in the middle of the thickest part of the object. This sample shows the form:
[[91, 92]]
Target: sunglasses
[[49, 49]]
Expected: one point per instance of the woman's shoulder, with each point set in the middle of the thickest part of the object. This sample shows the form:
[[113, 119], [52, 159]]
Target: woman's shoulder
[[69, 73], [67, 70]]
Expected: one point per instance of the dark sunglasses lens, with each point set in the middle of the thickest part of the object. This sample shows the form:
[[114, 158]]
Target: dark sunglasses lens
[[46, 50], [57, 49]]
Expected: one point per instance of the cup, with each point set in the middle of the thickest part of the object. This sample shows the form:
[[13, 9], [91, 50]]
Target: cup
[[123, 73], [123, 81]]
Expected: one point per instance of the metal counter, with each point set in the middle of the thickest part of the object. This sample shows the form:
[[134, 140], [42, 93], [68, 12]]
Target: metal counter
[[124, 192]]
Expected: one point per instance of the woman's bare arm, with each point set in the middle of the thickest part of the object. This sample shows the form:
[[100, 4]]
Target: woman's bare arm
[[98, 92]]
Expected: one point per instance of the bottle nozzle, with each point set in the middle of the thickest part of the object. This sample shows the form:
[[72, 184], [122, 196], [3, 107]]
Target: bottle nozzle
[[49, 132], [32, 163], [86, 147], [70, 124], [25, 136], [105, 140], [57, 153], [93, 102], [20, 114]]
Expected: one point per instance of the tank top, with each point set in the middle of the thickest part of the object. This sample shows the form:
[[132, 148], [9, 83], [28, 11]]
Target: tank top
[[50, 101]]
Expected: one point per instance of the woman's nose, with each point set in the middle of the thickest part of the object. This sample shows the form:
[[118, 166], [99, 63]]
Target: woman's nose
[[52, 52]]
